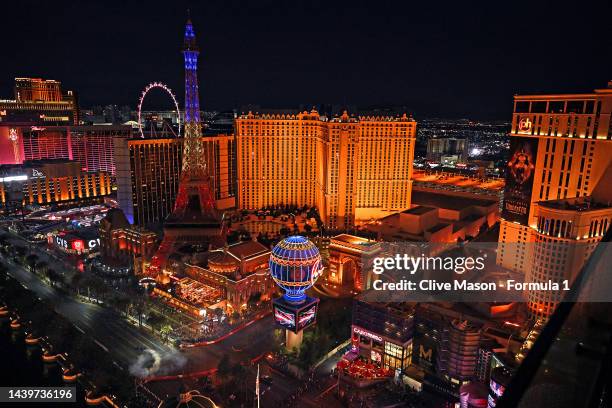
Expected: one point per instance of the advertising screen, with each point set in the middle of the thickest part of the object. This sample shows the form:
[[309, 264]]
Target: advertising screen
[[284, 317], [306, 317], [520, 170]]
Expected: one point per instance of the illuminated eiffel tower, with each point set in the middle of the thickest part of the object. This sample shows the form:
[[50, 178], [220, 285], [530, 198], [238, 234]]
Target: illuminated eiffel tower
[[194, 223]]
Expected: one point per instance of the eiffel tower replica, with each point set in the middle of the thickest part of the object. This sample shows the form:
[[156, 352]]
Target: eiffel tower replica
[[195, 224]]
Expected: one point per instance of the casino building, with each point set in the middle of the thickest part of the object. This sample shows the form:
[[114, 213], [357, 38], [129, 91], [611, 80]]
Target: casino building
[[44, 182], [560, 152], [91, 146], [383, 332], [352, 168], [75, 242], [148, 172], [237, 271], [41, 101]]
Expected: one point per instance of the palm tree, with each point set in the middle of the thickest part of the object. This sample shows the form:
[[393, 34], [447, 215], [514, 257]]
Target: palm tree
[[53, 276], [165, 331], [41, 267], [31, 261]]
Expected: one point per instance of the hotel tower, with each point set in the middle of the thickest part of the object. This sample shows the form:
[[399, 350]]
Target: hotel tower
[[558, 188], [352, 168]]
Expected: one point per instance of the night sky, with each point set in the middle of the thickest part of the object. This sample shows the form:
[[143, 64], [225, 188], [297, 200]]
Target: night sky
[[464, 59]]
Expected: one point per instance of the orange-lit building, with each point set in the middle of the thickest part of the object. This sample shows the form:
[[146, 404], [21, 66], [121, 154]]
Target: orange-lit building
[[560, 150], [352, 168], [41, 100], [350, 260], [124, 245], [51, 182]]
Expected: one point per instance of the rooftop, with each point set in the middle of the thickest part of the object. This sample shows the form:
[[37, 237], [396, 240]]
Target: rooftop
[[448, 201], [419, 210]]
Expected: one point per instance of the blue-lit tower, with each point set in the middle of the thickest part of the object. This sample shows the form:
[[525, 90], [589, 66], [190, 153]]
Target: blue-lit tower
[[194, 223], [295, 265]]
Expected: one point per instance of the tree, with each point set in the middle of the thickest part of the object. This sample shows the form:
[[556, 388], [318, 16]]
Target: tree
[[253, 300], [41, 267], [53, 276], [75, 281], [31, 261], [20, 252], [165, 331], [224, 368]]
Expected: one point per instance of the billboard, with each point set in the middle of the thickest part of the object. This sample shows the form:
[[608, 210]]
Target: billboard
[[295, 317], [284, 317], [306, 317], [520, 171]]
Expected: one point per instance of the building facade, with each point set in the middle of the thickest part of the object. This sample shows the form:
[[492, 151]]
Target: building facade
[[561, 147], [46, 182], [124, 245], [148, 172], [351, 168], [452, 148], [41, 101], [91, 146], [239, 271]]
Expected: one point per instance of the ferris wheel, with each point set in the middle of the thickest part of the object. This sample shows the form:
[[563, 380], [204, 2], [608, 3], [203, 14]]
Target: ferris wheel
[[165, 88]]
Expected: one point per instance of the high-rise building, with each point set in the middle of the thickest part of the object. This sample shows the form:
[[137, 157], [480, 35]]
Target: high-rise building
[[91, 146], [147, 178], [351, 168], [41, 101], [458, 351], [440, 147], [148, 175], [560, 150]]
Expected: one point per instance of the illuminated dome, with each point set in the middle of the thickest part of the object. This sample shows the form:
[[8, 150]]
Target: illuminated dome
[[222, 262], [188, 399], [295, 265]]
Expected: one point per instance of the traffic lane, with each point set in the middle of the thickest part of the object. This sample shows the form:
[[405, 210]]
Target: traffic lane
[[124, 341]]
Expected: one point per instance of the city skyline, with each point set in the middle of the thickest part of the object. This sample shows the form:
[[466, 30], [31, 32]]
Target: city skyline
[[455, 62], [321, 257]]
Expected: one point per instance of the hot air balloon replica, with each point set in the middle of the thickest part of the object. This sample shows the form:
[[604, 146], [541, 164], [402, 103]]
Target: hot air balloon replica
[[295, 265]]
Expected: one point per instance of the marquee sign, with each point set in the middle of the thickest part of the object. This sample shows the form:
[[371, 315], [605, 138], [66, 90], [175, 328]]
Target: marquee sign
[[367, 334]]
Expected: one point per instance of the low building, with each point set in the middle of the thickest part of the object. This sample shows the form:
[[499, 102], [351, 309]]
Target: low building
[[82, 241], [239, 270], [383, 333], [440, 346], [438, 217], [124, 245]]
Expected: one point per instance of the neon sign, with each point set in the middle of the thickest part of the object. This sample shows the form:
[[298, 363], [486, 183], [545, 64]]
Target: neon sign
[[367, 334], [525, 125]]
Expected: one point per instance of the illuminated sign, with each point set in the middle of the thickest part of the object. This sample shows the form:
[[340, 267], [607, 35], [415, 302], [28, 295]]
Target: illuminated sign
[[520, 172], [93, 243], [525, 125], [367, 334], [37, 173], [13, 134], [61, 242], [77, 245], [284, 317], [306, 317], [425, 354], [13, 178]]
